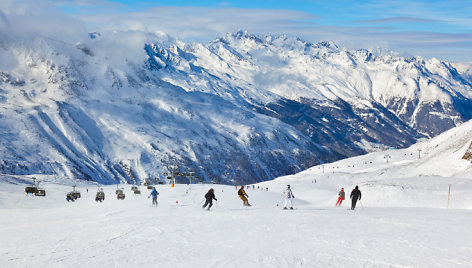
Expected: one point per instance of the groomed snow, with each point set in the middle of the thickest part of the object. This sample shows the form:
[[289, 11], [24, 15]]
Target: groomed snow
[[50, 232]]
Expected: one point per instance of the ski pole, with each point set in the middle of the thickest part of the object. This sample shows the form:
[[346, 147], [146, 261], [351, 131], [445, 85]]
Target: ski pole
[[361, 204]]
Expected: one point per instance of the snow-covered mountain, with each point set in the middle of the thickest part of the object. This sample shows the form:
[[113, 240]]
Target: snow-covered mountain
[[123, 106]]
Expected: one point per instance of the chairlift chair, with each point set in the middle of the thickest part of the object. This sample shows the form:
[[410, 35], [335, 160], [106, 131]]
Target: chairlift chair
[[76, 194], [40, 192], [31, 190], [71, 197], [100, 196]]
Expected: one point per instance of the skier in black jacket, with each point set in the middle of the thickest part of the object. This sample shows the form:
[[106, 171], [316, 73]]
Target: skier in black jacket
[[209, 199], [355, 195]]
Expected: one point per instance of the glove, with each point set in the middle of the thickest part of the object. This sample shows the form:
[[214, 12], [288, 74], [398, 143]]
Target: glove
[[216, 199], [293, 196]]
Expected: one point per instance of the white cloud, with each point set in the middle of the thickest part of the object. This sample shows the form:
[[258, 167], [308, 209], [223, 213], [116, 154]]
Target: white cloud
[[205, 24], [29, 19], [24, 19], [200, 23]]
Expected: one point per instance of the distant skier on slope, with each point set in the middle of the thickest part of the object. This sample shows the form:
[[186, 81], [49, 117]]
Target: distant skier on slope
[[154, 195], [355, 195], [209, 199], [288, 197], [242, 194], [342, 196]]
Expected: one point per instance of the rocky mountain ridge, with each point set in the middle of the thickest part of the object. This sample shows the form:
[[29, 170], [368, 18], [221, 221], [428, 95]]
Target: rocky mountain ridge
[[243, 108]]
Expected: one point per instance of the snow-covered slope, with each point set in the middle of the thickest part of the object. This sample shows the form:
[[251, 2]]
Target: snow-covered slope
[[123, 106], [399, 222], [418, 176]]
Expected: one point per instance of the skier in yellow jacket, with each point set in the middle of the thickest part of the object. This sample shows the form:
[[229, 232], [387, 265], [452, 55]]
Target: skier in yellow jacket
[[242, 194]]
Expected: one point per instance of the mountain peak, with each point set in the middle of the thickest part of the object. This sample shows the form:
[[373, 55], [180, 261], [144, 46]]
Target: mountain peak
[[328, 44]]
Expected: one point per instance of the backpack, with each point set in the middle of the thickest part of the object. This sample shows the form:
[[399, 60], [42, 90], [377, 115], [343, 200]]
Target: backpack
[[240, 192]]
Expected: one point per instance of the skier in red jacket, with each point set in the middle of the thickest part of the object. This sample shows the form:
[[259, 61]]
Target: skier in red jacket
[[342, 196]]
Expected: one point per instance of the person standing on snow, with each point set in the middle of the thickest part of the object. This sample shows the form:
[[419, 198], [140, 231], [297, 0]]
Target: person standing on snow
[[209, 199], [288, 197], [154, 195], [342, 196], [355, 195], [242, 194]]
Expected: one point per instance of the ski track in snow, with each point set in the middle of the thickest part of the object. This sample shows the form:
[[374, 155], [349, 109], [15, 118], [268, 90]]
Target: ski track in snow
[[50, 232]]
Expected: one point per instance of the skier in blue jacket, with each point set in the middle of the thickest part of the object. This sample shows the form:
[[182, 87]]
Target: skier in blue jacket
[[154, 194]]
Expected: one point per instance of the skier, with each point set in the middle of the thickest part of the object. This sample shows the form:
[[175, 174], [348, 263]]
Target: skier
[[209, 199], [355, 195], [288, 197], [154, 195], [342, 196], [242, 194]]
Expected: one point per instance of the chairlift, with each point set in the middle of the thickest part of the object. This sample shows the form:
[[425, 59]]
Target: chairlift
[[34, 189], [120, 196], [70, 196], [40, 192], [75, 193], [100, 196], [31, 190], [137, 191], [119, 191], [134, 188]]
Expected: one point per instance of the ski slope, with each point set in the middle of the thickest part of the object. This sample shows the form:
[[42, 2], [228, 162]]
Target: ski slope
[[50, 232]]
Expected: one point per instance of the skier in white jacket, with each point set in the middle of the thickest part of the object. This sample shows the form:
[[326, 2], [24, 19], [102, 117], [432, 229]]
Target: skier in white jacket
[[288, 197]]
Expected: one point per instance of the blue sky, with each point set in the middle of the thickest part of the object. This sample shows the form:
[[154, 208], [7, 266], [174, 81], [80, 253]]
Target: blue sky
[[423, 15], [433, 28]]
